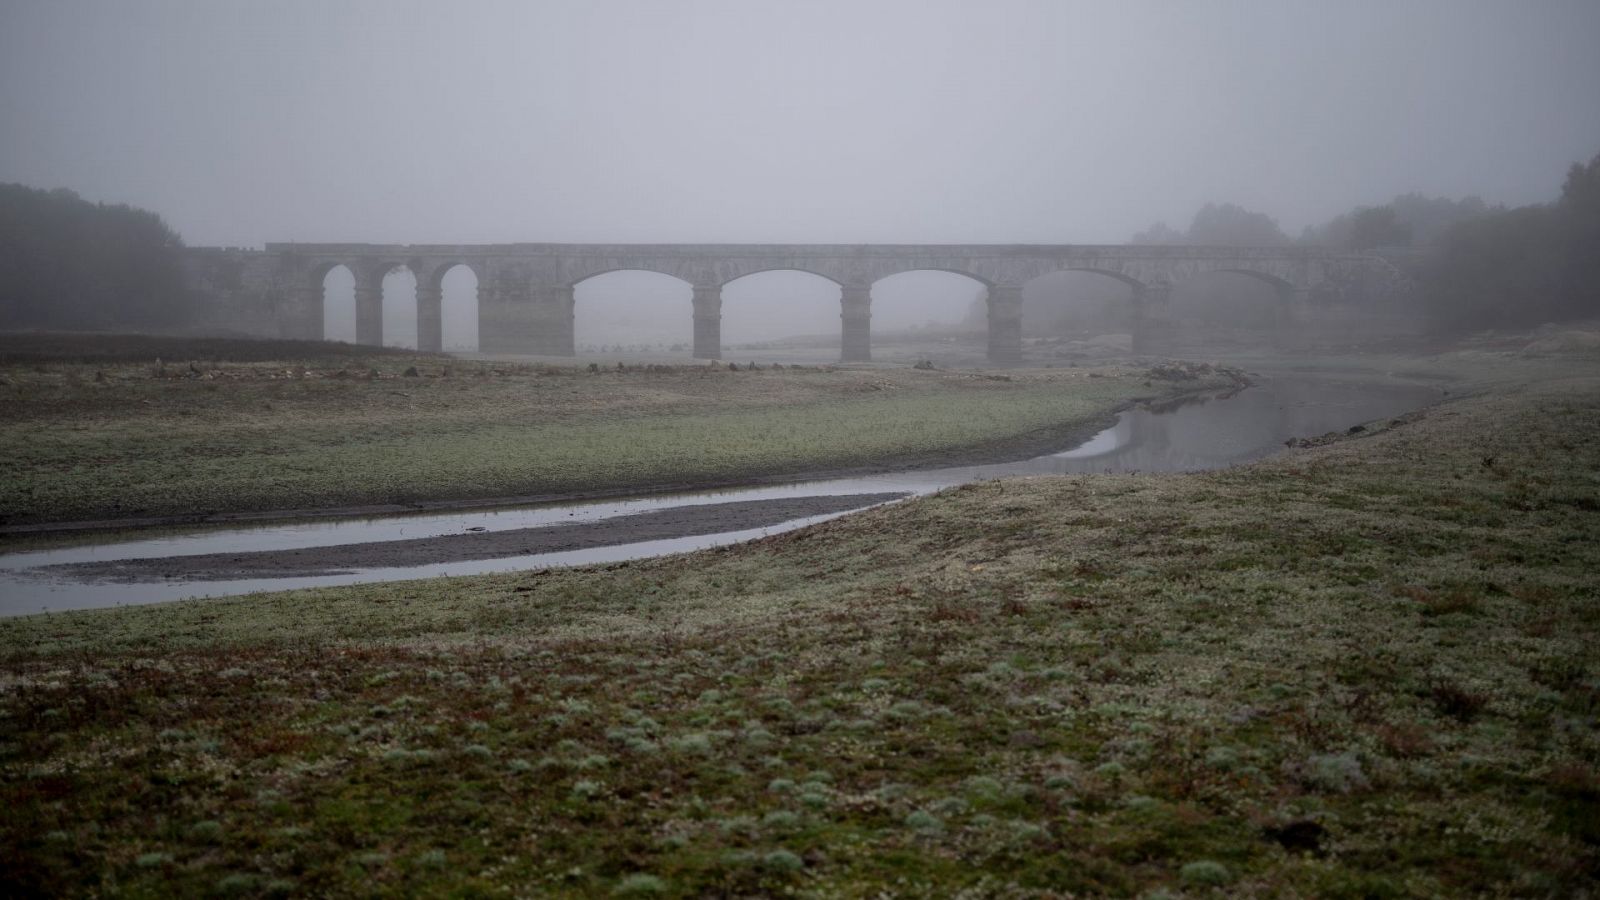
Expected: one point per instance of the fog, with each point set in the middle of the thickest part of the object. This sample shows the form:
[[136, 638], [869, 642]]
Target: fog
[[649, 311], [895, 121]]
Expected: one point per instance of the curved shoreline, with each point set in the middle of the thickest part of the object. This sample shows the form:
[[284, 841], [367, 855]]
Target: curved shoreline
[[692, 520], [387, 549], [1008, 449]]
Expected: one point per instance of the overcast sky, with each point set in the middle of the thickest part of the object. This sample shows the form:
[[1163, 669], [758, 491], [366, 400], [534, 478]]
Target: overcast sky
[[793, 120]]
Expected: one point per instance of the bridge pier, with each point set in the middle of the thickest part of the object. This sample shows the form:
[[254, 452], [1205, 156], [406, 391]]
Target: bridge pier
[[300, 315], [1005, 324], [1153, 327], [707, 321], [1294, 317], [557, 331], [369, 306], [506, 320], [855, 320], [430, 314]]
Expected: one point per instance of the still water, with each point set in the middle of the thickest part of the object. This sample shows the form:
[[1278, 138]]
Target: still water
[[1201, 433]]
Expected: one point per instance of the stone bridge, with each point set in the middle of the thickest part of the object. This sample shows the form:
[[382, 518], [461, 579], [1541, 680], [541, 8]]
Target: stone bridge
[[525, 291]]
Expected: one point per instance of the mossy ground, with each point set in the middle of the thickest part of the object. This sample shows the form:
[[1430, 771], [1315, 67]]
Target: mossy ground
[[1364, 669]]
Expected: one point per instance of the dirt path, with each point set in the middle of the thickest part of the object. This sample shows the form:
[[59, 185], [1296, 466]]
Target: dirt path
[[661, 524]]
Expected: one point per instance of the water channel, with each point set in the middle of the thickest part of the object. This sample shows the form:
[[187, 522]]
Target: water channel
[[1205, 432]]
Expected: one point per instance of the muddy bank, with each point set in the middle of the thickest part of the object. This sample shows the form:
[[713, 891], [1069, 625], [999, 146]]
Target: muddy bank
[[674, 522]]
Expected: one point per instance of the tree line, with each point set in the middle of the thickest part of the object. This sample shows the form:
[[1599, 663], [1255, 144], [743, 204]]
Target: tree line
[[1518, 267], [66, 263], [69, 264], [1477, 266]]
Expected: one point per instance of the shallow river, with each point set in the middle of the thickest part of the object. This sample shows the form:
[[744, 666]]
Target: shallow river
[[1201, 433]]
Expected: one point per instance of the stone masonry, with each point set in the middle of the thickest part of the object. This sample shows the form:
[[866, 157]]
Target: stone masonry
[[525, 291]]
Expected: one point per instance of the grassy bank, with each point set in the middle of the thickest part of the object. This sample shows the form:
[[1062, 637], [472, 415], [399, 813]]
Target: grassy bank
[[101, 437], [1366, 669]]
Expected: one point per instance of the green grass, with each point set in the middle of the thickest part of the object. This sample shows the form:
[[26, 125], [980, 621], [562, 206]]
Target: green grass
[[95, 441], [1370, 668], [269, 468]]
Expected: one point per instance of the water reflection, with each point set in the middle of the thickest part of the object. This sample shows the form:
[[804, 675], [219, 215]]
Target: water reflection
[[1202, 433]]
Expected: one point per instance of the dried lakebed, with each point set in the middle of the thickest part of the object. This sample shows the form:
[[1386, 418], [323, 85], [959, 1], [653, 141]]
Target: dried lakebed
[[1205, 432]]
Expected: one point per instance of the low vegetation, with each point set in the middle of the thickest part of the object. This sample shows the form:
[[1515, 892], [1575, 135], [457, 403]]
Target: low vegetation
[[1369, 668], [107, 437], [41, 349]]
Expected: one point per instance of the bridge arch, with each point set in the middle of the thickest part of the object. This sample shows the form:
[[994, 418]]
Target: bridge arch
[[778, 302], [1088, 305], [916, 297], [765, 270], [398, 313], [946, 269], [1278, 283], [591, 274], [332, 285], [1133, 283], [1231, 305], [365, 288], [375, 269], [318, 271], [448, 302], [642, 309], [431, 273]]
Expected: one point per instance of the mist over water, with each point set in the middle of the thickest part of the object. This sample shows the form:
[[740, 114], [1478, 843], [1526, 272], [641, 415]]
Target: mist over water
[[1209, 431]]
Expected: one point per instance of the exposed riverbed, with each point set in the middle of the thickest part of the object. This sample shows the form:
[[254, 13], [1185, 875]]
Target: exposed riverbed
[[1198, 433]]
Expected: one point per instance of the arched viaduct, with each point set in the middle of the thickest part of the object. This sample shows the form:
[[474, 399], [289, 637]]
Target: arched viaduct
[[525, 291]]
